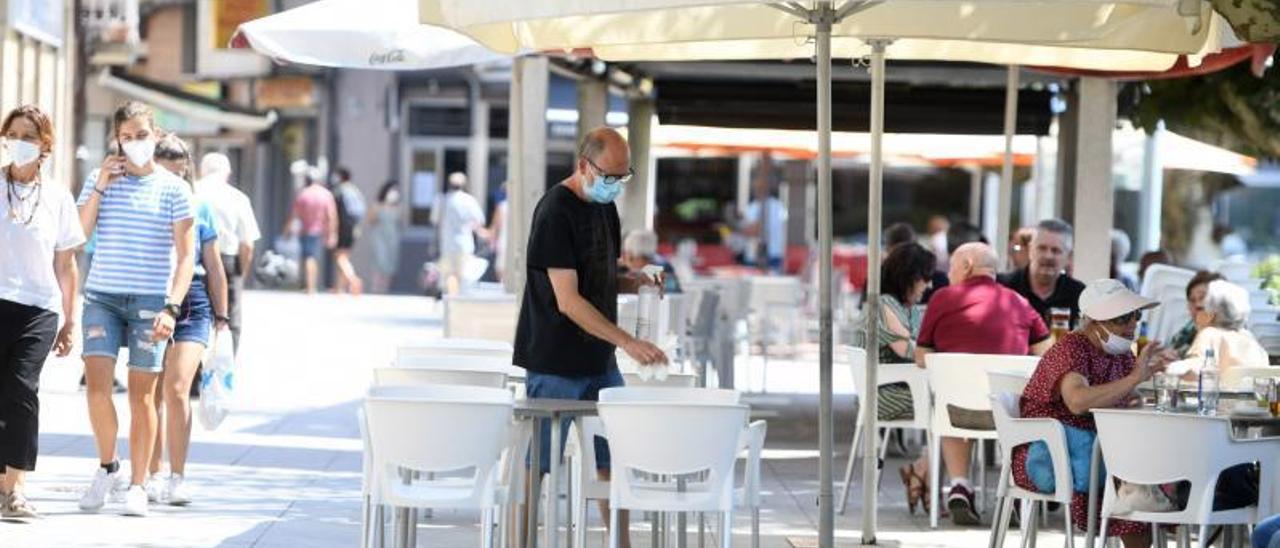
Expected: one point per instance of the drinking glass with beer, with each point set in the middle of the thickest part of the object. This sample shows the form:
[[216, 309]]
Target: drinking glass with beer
[[1059, 322]]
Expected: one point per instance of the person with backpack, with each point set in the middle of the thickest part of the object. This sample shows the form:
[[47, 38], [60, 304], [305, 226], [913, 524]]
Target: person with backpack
[[351, 212]]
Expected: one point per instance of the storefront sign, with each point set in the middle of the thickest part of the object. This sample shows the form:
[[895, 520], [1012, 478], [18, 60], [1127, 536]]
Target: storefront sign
[[39, 19], [285, 92]]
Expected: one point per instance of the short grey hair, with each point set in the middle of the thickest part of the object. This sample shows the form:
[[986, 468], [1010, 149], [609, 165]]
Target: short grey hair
[[1120, 245], [1229, 304], [215, 163], [1059, 227], [643, 243]]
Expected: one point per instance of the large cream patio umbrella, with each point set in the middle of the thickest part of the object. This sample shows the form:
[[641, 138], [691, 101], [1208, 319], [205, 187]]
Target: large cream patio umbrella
[[1094, 34]]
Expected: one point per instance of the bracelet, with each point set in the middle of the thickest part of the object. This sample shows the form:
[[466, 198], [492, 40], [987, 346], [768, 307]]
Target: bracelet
[[222, 319], [99, 191]]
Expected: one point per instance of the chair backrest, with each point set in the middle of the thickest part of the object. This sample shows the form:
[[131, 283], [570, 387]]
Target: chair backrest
[[1011, 381], [704, 319], [472, 424], [457, 347], [1240, 375], [1152, 448], [774, 290], [456, 361], [481, 316], [657, 394], [1167, 284], [673, 380], [960, 380], [404, 376], [673, 439], [916, 379]]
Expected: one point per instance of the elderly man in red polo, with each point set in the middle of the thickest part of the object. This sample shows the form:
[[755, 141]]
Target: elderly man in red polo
[[977, 315]]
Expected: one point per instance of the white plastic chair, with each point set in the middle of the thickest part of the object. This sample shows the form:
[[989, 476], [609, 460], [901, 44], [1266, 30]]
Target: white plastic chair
[[457, 347], [1013, 431], [673, 380], [481, 316], [475, 420], [1151, 448], [664, 439], [960, 380], [403, 376], [916, 379], [1167, 284]]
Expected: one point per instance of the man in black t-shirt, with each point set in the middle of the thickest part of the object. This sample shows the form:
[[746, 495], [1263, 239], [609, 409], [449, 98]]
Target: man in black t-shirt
[[1044, 282], [568, 330]]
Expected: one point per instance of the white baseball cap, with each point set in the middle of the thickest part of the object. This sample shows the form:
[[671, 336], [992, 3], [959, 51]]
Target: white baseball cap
[[1107, 299]]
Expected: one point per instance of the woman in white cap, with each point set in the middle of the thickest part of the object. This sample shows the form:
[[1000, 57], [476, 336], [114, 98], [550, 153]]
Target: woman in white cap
[[1222, 328], [1089, 368]]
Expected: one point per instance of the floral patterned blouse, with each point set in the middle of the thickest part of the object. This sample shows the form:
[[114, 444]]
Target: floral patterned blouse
[[1074, 353]]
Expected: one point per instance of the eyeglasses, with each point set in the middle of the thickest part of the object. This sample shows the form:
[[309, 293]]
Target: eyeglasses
[[610, 179], [1128, 318]]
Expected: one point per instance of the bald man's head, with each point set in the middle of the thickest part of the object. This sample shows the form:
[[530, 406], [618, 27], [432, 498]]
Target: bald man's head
[[973, 259], [604, 152]]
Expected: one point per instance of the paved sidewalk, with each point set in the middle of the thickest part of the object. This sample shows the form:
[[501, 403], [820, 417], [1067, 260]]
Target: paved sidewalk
[[285, 469]]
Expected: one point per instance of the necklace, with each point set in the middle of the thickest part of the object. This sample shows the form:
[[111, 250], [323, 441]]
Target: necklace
[[17, 201]]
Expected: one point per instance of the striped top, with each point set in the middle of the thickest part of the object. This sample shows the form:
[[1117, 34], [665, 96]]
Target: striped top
[[134, 253]]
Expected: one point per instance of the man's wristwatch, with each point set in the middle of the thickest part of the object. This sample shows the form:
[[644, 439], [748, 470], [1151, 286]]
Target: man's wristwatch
[[173, 309], [222, 319]]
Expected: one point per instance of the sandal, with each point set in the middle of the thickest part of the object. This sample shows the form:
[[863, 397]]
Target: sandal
[[16, 506]]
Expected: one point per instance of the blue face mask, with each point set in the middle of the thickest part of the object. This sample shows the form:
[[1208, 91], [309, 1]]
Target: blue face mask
[[601, 192]]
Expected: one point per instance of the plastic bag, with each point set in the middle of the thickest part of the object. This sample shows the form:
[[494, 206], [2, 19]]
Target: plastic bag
[[217, 382]]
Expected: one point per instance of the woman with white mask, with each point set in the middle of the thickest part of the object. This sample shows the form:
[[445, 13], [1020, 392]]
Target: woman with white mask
[[38, 280], [141, 272]]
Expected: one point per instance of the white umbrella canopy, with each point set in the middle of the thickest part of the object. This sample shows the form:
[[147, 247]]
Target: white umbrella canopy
[[1096, 34], [367, 34]]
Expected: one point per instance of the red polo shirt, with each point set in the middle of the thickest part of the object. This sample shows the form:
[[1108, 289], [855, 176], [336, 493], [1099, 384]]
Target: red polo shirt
[[981, 316]]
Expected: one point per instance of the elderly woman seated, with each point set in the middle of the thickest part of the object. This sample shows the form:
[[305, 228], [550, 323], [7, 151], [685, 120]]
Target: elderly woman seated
[[1092, 367], [1196, 288], [1222, 329]]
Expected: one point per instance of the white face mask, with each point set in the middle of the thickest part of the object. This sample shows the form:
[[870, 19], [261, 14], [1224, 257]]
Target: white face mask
[[139, 152], [21, 152], [1115, 344]]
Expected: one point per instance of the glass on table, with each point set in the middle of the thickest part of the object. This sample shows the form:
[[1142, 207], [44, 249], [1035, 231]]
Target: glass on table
[[1166, 388], [1262, 387], [1059, 322]]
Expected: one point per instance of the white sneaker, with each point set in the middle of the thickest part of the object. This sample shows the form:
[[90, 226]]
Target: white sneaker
[[178, 492], [135, 501], [154, 488], [96, 496]]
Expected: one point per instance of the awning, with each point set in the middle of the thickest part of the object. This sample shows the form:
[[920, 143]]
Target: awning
[[187, 104]]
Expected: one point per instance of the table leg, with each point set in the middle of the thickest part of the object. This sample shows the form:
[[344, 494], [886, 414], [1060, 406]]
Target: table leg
[[1091, 528], [681, 521], [553, 491], [535, 486]]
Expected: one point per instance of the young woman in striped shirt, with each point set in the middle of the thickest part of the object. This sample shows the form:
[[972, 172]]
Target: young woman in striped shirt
[[141, 272]]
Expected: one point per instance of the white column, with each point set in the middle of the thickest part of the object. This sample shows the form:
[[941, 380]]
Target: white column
[[639, 202], [1152, 197], [593, 104], [527, 161], [1094, 196], [991, 214], [478, 151], [1004, 203], [745, 163]]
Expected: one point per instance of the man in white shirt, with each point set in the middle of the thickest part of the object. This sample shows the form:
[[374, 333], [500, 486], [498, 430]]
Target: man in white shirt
[[237, 228], [768, 221], [461, 219]]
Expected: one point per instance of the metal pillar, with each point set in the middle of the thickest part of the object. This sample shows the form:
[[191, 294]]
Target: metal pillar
[[874, 211], [823, 16], [1005, 204]]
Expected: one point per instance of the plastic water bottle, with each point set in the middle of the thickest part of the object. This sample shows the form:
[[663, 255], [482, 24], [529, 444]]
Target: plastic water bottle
[[648, 309], [1207, 390]]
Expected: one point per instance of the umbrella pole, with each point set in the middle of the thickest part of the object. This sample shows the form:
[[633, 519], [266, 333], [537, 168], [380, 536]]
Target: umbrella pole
[[1005, 211], [823, 17], [875, 203]]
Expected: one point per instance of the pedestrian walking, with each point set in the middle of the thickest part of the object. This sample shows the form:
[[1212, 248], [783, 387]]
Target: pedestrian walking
[[567, 331], [38, 279], [317, 213], [461, 220], [237, 230], [140, 276], [385, 218], [203, 312], [351, 214]]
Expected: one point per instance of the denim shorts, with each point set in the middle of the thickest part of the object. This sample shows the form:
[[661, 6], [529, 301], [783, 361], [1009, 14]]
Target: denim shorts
[[111, 321], [545, 385], [195, 323], [311, 246]]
